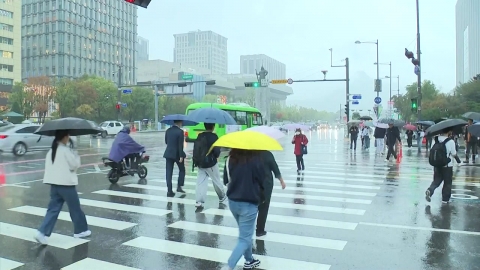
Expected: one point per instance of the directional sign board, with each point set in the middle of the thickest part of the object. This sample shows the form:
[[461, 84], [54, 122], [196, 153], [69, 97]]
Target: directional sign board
[[127, 91], [187, 77], [377, 100], [124, 105], [289, 81], [279, 81], [355, 102], [357, 96]]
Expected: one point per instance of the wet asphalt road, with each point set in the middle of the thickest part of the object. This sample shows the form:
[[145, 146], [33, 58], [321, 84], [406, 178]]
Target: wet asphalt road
[[347, 211]]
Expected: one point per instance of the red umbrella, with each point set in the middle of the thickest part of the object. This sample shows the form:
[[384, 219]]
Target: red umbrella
[[410, 127]]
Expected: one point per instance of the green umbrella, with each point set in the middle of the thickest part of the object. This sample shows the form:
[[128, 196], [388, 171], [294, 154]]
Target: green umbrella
[[12, 114]]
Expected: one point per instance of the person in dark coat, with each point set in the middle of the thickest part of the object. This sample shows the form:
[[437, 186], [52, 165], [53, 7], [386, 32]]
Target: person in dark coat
[[353, 137], [392, 135], [269, 165], [174, 139], [409, 138]]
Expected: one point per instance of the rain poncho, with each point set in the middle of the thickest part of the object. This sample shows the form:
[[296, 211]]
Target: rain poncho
[[124, 145]]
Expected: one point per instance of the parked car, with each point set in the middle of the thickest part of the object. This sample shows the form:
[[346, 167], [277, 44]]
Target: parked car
[[19, 139], [110, 128]]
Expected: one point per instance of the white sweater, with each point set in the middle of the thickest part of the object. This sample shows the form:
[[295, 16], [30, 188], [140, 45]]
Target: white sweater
[[63, 171]]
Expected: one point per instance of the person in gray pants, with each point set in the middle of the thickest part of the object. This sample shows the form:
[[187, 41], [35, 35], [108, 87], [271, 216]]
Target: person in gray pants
[[207, 165]]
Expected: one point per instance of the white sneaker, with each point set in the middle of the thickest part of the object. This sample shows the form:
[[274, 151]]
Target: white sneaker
[[41, 238], [198, 204], [83, 234]]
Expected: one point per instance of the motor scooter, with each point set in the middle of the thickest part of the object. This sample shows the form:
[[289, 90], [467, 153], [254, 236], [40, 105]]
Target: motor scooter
[[119, 169]]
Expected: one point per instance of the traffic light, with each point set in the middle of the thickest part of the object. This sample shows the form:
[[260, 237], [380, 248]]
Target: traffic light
[[117, 107], [347, 109], [141, 3], [252, 84], [415, 62], [414, 105]]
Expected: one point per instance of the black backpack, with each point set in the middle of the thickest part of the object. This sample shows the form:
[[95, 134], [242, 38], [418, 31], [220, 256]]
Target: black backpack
[[200, 150], [438, 154]]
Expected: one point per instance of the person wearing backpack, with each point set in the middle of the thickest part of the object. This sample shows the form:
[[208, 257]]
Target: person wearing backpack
[[207, 165], [440, 158]]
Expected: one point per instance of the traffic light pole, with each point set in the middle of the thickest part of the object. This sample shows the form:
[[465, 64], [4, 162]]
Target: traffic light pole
[[119, 90], [419, 76], [346, 80]]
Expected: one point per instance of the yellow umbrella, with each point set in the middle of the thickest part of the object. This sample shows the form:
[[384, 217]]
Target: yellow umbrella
[[247, 140]]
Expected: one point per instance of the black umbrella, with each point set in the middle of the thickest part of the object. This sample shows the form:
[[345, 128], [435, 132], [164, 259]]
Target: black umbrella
[[472, 115], [474, 130], [446, 124], [75, 126], [366, 118], [440, 120]]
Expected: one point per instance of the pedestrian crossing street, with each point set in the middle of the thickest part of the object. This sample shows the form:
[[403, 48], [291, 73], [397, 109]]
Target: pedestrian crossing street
[[309, 223]]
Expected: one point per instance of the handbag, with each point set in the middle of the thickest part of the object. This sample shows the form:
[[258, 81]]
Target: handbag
[[304, 148]]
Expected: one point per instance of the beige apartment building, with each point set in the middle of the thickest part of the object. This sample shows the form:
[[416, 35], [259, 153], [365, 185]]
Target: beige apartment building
[[10, 47]]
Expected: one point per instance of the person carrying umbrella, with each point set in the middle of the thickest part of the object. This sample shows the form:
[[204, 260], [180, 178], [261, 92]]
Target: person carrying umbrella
[[392, 135], [174, 154], [353, 137], [471, 143], [61, 164], [442, 152]]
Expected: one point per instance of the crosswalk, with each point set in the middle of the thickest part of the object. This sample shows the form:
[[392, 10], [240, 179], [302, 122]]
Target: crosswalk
[[319, 211]]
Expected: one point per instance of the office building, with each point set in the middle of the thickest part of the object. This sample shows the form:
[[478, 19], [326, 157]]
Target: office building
[[467, 14], [249, 64], [205, 49], [68, 39], [142, 49]]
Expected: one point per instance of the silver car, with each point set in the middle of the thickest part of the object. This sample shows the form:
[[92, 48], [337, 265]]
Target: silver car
[[19, 139]]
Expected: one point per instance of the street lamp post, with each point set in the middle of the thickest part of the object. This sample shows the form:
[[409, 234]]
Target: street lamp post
[[377, 82]]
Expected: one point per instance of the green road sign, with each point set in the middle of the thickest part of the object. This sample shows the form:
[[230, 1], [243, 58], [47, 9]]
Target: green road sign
[[187, 77]]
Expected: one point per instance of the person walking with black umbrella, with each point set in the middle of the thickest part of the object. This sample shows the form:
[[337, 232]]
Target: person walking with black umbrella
[[471, 143], [392, 136]]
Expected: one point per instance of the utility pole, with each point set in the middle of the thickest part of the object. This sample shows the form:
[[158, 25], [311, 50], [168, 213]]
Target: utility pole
[[419, 76], [378, 72], [347, 83], [340, 112], [155, 86], [119, 91]]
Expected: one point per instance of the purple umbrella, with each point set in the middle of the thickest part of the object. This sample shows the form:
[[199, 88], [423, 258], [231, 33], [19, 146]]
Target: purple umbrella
[[295, 126], [269, 131]]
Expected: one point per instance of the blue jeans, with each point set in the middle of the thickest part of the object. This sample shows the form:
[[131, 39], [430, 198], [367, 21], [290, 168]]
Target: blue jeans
[[245, 214], [58, 196]]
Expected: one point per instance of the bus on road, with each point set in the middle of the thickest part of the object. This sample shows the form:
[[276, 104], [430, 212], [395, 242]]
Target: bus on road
[[245, 116]]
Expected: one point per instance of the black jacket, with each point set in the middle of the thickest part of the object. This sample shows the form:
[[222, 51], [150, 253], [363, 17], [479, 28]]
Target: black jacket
[[354, 132], [246, 182], [379, 133], [211, 139], [393, 134], [174, 139], [270, 165]]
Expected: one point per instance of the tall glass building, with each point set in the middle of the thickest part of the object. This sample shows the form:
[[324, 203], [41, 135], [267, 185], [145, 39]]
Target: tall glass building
[[467, 14], [71, 38], [10, 37]]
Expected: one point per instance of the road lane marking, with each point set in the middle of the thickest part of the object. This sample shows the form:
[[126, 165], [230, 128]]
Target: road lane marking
[[27, 234], [94, 221], [271, 236], [26, 167], [97, 169], [6, 264], [292, 220], [93, 264], [417, 228], [216, 254], [328, 209], [125, 207]]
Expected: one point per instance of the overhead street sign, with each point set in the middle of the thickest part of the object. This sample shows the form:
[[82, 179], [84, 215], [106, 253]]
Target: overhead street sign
[[187, 77], [289, 81], [279, 81], [377, 100], [358, 96], [355, 102], [127, 91]]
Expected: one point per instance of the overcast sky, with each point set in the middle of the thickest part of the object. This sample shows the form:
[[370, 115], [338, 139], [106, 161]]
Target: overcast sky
[[300, 33]]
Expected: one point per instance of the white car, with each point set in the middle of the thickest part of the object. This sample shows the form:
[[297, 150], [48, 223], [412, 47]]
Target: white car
[[19, 139], [110, 128]]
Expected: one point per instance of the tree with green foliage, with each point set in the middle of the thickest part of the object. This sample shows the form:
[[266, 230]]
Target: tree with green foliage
[[280, 113], [356, 116]]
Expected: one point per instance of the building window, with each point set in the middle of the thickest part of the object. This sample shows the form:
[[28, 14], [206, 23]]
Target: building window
[[8, 68], [5, 40], [6, 54], [6, 27], [5, 81], [6, 13]]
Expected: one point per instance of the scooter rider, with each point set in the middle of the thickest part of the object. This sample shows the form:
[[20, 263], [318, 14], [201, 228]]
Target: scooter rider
[[124, 147]]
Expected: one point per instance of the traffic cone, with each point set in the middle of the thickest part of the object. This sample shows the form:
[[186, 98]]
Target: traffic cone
[[3, 177], [400, 152]]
